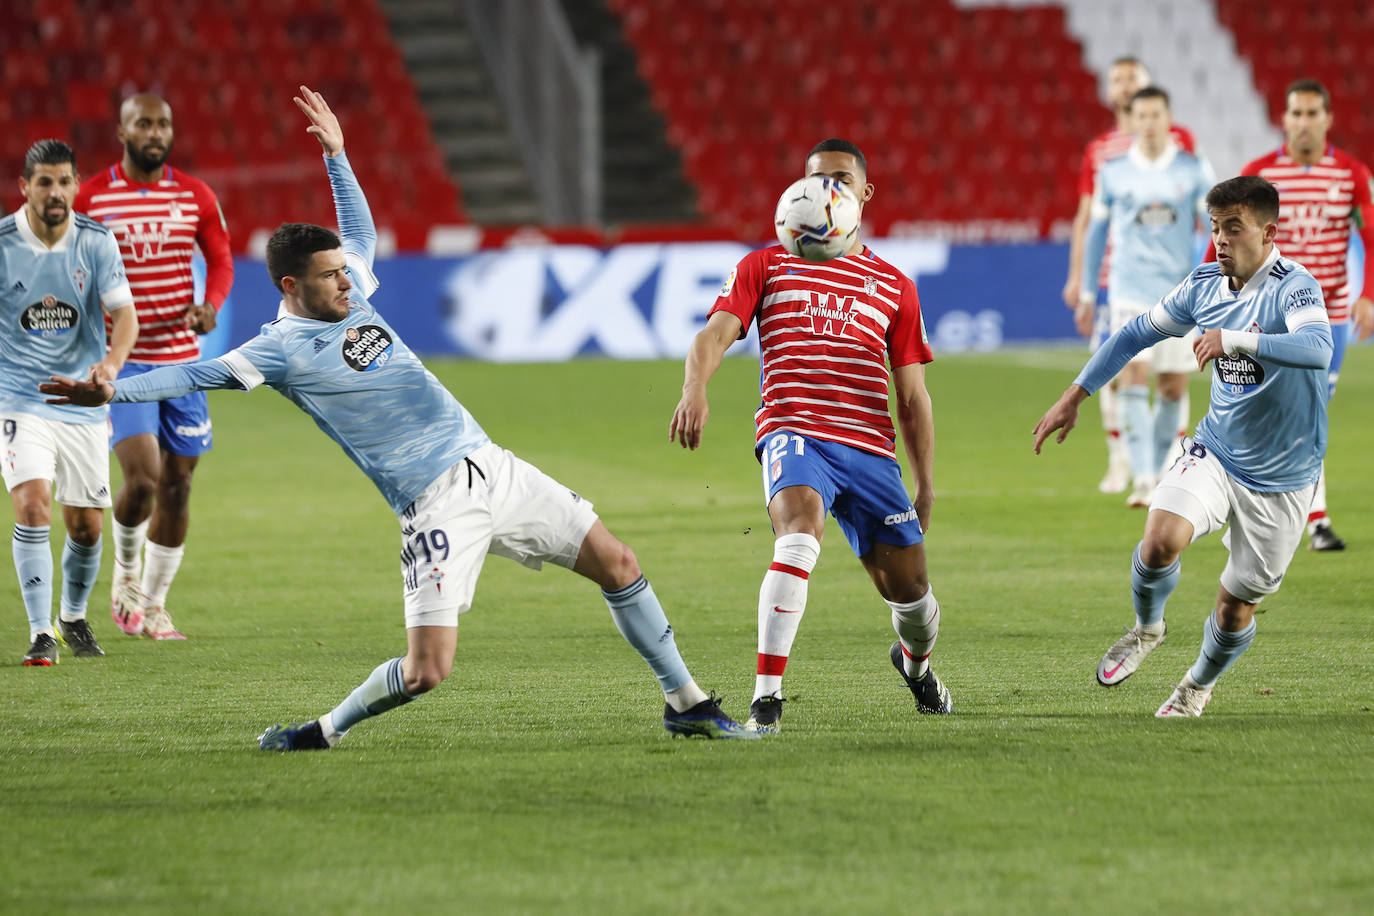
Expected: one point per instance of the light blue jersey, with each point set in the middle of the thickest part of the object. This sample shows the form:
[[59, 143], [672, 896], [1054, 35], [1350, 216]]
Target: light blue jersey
[[1267, 420], [50, 310], [359, 381], [1152, 209]]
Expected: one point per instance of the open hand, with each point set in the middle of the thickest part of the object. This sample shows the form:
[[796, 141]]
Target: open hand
[[92, 392], [323, 124]]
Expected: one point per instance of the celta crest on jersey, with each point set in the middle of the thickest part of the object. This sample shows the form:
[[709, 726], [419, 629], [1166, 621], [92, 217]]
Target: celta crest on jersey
[[49, 318], [79, 278], [827, 308], [367, 347], [144, 240]]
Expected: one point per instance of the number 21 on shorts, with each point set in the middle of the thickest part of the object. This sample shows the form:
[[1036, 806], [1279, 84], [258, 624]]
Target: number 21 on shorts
[[778, 448]]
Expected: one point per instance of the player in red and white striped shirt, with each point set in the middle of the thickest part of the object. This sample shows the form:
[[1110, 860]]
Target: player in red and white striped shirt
[[1125, 77], [159, 215], [825, 437], [1323, 192]]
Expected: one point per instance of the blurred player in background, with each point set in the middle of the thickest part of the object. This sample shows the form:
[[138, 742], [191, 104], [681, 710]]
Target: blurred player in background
[[58, 271], [1254, 463], [1151, 200], [825, 437], [457, 495], [159, 215], [1125, 77], [1323, 191]]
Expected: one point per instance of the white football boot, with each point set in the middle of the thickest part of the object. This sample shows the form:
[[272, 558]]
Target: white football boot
[[126, 601], [158, 625], [1188, 699], [1125, 656]]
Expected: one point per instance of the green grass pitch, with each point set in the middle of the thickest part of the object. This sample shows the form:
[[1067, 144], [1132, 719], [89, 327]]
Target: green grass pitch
[[539, 779]]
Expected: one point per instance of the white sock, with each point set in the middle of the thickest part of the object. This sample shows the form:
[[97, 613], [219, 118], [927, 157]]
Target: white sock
[[129, 547], [782, 601], [1111, 425], [331, 734], [159, 569], [918, 625], [685, 697]]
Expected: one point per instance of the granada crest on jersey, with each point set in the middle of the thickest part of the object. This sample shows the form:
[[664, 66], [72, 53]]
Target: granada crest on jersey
[[870, 285], [367, 348]]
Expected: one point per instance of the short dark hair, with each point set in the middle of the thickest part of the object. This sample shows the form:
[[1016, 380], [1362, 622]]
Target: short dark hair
[[1250, 191], [836, 145], [291, 246], [1149, 92], [48, 152], [1309, 85]]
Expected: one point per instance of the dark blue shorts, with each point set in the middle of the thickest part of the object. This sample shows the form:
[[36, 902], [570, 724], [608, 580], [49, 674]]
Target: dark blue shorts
[[182, 425], [862, 490]]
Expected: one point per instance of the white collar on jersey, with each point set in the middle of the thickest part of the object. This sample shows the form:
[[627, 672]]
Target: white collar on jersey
[[1257, 278], [1159, 164], [21, 219]]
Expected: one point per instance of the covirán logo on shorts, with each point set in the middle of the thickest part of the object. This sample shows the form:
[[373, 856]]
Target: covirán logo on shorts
[[49, 318], [367, 347]]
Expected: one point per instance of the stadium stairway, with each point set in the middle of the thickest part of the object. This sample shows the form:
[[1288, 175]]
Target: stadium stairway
[[641, 174], [470, 128]]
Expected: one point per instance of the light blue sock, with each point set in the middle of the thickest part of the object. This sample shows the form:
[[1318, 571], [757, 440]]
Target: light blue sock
[[1169, 420], [1219, 649], [1137, 430], [1151, 588], [80, 566], [640, 619], [33, 563], [385, 688]]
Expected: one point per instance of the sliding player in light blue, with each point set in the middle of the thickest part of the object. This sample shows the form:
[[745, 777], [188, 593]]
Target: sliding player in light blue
[[458, 495], [1254, 460], [1151, 201], [59, 271]]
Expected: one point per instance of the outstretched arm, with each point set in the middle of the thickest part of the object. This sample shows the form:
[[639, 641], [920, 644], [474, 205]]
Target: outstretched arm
[[703, 359], [158, 385], [356, 228]]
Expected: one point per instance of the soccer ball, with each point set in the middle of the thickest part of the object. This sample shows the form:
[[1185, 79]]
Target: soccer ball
[[817, 218]]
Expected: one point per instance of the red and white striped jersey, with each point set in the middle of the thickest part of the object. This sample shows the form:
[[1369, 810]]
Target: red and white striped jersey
[[158, 225], [827, 332], [1109, 145], [1317, 205]]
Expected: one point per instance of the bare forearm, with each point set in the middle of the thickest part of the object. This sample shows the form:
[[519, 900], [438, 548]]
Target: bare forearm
[[123, 334], [916, 422], [703, 359]]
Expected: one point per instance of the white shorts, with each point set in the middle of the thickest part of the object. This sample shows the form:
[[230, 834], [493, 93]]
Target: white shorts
[[1173, 354], [490, 502], [1265, 531], [75, 456]]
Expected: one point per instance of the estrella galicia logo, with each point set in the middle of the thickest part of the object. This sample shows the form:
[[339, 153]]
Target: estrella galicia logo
[[1239, 372], [367, 347], [49, 318]]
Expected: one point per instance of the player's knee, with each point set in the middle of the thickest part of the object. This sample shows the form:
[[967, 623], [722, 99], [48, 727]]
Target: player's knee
[[622, 567], [140, 485], [1156, 551], [423, 677], [83, 528], [174, 489]]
